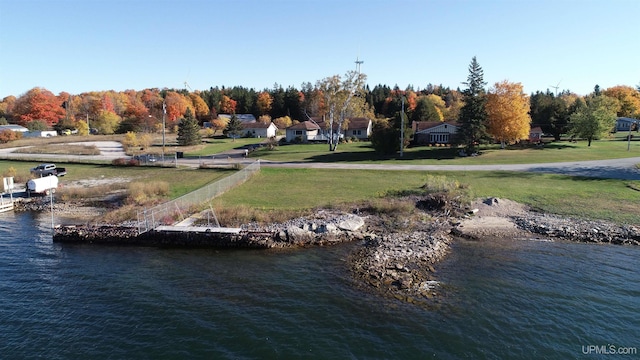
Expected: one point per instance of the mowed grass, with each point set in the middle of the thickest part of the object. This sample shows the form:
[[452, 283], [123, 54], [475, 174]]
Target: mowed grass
[[219, 145], [274, 190], [363, 152]]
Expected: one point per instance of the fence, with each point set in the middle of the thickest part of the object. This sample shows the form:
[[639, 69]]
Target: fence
[[166, 213]]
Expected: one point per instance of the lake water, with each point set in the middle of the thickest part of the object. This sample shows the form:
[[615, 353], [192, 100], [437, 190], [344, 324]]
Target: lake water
[[500, 299]]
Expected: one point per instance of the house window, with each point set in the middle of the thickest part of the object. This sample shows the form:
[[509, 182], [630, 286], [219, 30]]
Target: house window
[[298, 132], [357, 132]]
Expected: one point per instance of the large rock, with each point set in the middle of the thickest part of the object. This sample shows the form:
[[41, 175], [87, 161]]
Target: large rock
[[351, 223], [297, 235]]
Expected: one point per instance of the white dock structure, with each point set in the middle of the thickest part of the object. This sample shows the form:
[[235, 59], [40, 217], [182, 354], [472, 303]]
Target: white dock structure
[[7, 204]]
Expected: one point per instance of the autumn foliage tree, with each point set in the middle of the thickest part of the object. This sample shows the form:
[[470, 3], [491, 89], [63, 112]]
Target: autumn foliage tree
[[38, 104], [628, 97], [508, 112], [228, 105], [264, 102]]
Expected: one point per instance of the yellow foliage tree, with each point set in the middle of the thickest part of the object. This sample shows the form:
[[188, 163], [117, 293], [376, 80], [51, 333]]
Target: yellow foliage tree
[[130, 140], [628, 97], [145, 140], [283, 122], [83, 127], [508, 112]]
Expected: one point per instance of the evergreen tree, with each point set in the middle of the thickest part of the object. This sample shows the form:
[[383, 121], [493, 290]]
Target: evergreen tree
[[188, 130], [234, 128], [473, 116]]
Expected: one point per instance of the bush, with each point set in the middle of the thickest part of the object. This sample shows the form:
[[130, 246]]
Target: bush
[[141, 193], [9, 135]]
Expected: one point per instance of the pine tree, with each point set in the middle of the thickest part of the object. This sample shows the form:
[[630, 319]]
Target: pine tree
[[234, 128], [473, 116], [188, 130]]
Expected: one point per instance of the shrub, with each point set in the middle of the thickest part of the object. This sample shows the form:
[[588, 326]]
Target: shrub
[[144, 192], [9, 135]]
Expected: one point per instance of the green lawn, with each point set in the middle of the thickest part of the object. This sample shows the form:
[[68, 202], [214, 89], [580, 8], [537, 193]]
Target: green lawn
[[275, 189], [216, 146], [362, 152]]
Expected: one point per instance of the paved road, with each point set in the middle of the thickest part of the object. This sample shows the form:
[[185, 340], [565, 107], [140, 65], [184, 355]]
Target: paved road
[[611, 169]]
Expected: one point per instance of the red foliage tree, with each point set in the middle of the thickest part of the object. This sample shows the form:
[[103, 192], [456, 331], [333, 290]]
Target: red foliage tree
[[38, 104]]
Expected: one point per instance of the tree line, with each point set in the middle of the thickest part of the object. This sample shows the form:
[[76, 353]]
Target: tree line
[[501, 113]]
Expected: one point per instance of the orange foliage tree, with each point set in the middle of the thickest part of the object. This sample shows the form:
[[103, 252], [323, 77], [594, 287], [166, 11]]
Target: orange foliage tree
[[508, 112], [176, 105], [38, 104], [264, 102], [228, 105], [201, 109]]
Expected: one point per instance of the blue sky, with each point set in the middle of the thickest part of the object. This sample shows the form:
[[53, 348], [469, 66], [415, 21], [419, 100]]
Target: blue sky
[[94, 45]]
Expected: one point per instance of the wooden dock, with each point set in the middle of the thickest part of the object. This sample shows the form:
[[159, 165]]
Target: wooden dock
[[6, 205]]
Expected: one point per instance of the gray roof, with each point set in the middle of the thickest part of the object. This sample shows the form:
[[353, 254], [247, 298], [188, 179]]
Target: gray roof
[[245, 118], [13, 127]]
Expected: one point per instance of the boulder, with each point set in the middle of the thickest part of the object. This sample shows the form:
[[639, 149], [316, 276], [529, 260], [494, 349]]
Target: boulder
[[351, 223], [298, 235]]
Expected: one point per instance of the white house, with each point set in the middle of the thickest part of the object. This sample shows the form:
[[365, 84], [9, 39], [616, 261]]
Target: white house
[[259, 130], [359, 128], [304, 132], [433, 132]]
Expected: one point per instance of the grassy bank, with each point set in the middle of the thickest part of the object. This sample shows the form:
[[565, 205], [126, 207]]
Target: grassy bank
[[276, 190]]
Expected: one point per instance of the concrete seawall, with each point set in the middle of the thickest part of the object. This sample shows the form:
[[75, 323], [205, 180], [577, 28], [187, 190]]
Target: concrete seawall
[[117, 235]]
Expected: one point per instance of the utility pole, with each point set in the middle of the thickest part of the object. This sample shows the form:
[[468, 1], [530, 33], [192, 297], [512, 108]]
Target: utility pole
[[164, 112], [402, 128]]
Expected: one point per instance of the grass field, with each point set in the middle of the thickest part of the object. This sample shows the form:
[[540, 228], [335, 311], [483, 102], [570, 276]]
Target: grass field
[[362, 152], [298, 189], [277, 190]]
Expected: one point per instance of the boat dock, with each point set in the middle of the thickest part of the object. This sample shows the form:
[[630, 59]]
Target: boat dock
[[6, 204]]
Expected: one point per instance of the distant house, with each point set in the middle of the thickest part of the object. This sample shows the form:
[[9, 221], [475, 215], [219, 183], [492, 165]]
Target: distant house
[[259, 130], [535, 134], [433, 132], [304, 132], [244, 118], [359, 127], [626, 124]]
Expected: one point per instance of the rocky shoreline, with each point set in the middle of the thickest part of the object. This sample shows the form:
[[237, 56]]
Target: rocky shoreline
[[396, 260]]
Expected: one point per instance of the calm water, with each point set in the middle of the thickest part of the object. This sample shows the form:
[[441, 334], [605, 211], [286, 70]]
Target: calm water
[[502, 299]]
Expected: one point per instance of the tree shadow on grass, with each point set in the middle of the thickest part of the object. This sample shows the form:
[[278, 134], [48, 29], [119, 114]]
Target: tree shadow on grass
[[367, 156]]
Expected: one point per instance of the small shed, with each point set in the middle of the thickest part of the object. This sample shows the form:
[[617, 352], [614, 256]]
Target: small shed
[[535, 135]]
